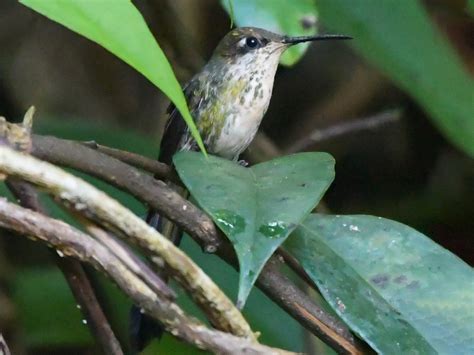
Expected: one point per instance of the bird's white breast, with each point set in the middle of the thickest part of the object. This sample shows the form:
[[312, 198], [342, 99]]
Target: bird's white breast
[[244, 116]]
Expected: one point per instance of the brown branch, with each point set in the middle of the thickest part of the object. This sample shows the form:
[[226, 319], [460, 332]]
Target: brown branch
[[352, 94], [19, 137], [344, 128], [301, 307], [4, 350], [62, 152], [86, 299], [273, 278], [160, 170], [75, 276], [296, 267], [86, 199], [74, 243], [134, 263], [153, 192], [298, 304]]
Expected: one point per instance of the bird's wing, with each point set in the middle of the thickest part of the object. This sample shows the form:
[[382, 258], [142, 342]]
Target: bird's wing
[[176, 128], [143, 328]]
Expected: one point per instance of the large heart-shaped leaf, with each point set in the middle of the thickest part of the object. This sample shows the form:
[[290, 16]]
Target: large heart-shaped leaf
[[119, 27], [256, 207], [396, 288], [294, 18], [400, 38]]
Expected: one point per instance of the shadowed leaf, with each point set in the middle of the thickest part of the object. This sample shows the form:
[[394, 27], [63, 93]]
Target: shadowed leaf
[[397, 289]]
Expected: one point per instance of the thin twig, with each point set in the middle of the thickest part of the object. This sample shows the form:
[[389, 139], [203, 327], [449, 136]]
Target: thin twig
[[144, 187], [296, 267], [75, 276], [74, 243], [84, 198], [355, 92], [160, 170], [82, 290], [134, 263], [62, 152], [345, 128]]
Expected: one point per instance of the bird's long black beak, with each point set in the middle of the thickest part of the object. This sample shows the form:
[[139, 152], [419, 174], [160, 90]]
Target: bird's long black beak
[[295, 40]]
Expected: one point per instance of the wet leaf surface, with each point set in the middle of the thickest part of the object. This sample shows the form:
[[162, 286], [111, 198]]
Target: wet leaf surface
[[256, 207], [393, 286]]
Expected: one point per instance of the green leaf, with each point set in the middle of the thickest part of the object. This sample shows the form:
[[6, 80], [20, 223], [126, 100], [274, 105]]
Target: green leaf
[[399, 37], [119, 27], [256, 207], [393, 286], [279, 16], [230, 8]]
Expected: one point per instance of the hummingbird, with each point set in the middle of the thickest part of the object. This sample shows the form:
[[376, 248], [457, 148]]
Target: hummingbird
[[230, 95], [227, 100]]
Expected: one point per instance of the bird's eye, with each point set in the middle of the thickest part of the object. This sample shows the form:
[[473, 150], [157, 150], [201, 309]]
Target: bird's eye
[[251, 42]]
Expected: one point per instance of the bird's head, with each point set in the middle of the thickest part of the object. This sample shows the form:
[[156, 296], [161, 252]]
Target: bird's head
[[252, 44]]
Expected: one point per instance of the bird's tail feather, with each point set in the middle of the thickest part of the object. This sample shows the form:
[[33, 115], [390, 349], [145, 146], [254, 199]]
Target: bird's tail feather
[[143, 329], [154, 220]]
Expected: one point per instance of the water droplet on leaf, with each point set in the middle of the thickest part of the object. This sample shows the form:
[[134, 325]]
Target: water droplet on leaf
[[230, 222], [274, 229]]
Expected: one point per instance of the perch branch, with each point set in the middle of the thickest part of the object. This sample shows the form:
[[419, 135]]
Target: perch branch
[[144, 187], [75, 276], [62, 152], [19, 137], [299, 305], [134, 263], [74, 243], [296, 267], [160, 170], [85, 198]]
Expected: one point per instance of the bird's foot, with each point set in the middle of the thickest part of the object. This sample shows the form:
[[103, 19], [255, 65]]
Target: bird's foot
[[243, 163]]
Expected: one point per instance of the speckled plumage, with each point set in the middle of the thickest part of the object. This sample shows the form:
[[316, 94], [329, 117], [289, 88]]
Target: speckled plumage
[[231, 94], [227, 100]]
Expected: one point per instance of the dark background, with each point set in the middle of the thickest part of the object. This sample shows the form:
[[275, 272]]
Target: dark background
[[402, 169]]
